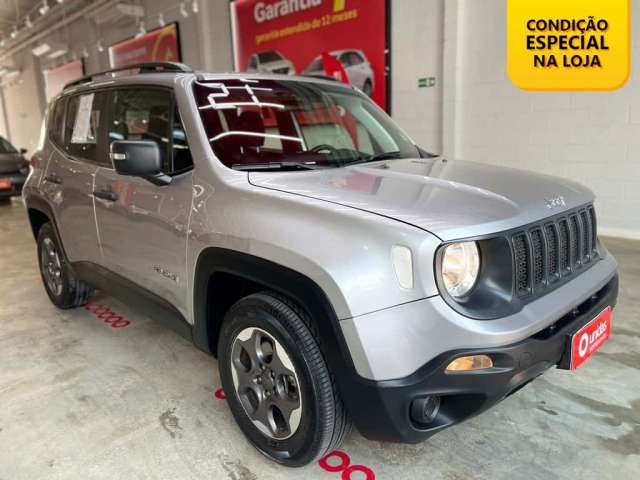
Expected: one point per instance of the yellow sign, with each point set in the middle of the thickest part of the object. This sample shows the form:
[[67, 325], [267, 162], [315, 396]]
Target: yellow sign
[[569, 44], [338, 5]]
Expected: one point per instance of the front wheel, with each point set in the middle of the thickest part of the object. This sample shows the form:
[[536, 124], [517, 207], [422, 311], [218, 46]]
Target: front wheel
[[278, 386]]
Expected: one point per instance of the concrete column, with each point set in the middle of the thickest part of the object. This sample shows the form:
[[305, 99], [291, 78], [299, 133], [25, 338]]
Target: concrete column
[[215, 36], [452, 77]]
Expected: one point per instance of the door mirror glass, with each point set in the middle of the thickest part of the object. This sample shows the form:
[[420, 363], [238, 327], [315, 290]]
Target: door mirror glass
[[139, 158]]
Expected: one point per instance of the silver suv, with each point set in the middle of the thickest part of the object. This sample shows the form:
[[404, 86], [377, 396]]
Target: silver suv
[[338, 272]]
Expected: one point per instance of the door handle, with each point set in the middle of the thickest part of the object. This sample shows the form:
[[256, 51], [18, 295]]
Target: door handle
[[53, 179], [106, 195]]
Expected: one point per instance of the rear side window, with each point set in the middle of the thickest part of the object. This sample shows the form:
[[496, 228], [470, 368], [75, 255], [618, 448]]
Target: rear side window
[[56, 122], [82, 126], [150, 114]]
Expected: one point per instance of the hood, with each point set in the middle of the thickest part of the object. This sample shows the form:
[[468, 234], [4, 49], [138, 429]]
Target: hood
[[12, 162], [451, 199]]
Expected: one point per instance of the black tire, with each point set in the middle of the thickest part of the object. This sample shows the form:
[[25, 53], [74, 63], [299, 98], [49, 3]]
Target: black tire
[[323, 422], [72, 292], [367, 88]]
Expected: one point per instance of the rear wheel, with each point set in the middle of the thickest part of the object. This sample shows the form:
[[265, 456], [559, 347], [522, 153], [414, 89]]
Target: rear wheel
[[63, 288], [278, 386]]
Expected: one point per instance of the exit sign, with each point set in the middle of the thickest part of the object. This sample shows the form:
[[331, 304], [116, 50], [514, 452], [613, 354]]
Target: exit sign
[[426, 82]]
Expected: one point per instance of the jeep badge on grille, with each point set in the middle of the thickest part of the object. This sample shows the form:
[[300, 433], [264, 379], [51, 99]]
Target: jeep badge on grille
[[555, 202]]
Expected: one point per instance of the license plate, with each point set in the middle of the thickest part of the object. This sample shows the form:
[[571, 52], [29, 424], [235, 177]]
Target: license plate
[[5, 184], [590, 338]]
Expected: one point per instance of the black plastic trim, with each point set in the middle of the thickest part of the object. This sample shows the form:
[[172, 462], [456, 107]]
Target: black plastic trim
[[133, 294], [384, 407], [33, 202]]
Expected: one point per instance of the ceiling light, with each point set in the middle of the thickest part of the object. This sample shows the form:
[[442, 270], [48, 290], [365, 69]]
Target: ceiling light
[[99, 46], [44, 8], [60, 2], [14, 32], [85, 52], [12, 73], [57, 53], [161, 21], [195, 7], [141, 30], [183, 10], [3, 42], [41, 49], [28, 22]]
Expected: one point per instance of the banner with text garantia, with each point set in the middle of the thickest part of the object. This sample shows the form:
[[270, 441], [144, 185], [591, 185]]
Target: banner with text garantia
[[160, 45], [344, 39]]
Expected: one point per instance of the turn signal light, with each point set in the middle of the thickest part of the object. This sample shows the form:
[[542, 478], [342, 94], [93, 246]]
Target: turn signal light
[[470, 363]]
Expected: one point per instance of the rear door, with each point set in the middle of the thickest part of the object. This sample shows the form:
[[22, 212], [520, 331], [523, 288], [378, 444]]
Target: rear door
[[142, 226], [77, 132]]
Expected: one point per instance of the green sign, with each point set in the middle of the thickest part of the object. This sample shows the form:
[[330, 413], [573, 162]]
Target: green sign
[[426, 82]]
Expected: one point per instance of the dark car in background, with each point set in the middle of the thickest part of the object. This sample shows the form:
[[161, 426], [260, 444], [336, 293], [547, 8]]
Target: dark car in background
[[13, 170]]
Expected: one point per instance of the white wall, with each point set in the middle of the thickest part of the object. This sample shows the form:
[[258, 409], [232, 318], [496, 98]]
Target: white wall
[[591, 137], [416, 52]]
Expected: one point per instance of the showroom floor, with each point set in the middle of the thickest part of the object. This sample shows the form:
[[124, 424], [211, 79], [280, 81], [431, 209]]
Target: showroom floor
[[82, 400]]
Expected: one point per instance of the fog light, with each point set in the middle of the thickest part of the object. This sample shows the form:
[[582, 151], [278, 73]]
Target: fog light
[[425, 409], [470, 363]]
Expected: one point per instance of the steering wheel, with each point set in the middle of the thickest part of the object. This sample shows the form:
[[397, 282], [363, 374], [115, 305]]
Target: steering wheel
[[324, 147]]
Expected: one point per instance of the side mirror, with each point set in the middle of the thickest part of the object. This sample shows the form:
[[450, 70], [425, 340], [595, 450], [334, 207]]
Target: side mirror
[[23, 151], [139, 158]]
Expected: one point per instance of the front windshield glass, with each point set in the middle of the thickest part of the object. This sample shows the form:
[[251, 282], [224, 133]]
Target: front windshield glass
[[253, 122], [6, 147]]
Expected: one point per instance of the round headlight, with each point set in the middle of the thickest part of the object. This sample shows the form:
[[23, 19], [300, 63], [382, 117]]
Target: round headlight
[[460, 267]]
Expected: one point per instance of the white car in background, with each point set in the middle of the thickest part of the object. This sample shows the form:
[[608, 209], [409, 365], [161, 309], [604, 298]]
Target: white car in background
[[270, 61], [356, 66]]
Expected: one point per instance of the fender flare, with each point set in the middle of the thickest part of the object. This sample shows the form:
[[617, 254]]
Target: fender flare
[[42, 206], [307, 293]]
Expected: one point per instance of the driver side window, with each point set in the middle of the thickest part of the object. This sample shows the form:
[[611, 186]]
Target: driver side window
[[150, 114]]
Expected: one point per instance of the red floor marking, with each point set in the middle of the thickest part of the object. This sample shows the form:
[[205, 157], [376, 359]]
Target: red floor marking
[[108, 316], [346, 474], [345, 466], [345, 461]]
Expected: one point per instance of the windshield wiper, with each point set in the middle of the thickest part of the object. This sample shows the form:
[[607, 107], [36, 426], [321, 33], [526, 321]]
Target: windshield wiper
[[274, 166], [374, 158]]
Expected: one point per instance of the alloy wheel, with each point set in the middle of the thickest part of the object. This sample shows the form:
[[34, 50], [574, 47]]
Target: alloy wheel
[[51, 266], [266, 383]]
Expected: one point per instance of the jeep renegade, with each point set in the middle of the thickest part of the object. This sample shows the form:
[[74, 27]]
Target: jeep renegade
[[338, 272]]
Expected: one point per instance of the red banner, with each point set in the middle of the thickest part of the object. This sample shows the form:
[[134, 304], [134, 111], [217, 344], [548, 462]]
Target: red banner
[[160, 45], [304, 36], [56, 78]]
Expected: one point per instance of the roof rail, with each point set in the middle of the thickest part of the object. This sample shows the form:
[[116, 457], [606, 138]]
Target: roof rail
[[150, 67]]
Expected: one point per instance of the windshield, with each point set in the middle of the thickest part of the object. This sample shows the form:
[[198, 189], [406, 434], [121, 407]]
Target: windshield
[[6, 147], [269, 56], [256, 122]]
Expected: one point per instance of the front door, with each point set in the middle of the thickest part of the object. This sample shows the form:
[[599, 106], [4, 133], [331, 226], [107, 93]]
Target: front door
[[143, 227]]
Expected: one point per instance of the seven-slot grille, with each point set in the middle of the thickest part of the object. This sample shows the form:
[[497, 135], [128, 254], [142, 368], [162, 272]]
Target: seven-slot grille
[[553, 249]]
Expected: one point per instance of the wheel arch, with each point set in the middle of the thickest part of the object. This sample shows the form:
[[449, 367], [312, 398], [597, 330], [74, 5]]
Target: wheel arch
[[217, 266]]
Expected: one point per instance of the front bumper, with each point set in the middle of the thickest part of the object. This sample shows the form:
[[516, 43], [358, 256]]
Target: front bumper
[[381, 409]]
